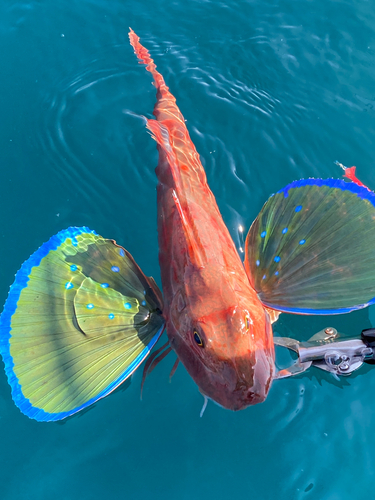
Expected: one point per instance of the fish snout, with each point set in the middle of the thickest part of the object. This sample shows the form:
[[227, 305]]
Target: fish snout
[[228, 374], [232, 385], [239, 384]]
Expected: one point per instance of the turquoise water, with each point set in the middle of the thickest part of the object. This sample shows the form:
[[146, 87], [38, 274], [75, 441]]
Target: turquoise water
[[272, 92]]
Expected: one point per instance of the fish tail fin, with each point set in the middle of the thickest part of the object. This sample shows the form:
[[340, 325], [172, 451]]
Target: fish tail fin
[[164, 95], [168, 115], [311, 250]]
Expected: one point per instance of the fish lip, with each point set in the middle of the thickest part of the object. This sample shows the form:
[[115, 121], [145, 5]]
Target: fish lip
[[239, 399]]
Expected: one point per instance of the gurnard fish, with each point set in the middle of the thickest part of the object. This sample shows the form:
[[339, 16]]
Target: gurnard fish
[[81, 316]]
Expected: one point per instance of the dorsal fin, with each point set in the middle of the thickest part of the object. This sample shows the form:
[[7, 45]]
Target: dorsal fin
[[195, 248]]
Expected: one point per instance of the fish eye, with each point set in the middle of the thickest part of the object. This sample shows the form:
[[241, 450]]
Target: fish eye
[[247, 322], [197, 338]]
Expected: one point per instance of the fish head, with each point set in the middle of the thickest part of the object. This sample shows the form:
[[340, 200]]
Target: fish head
[[228, 351]]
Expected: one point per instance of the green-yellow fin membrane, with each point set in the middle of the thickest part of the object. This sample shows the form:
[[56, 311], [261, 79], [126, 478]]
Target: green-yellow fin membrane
[[79, 319], [311, 250]]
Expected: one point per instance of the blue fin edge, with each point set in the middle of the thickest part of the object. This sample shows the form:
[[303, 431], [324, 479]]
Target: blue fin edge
[[20, 282], [318, 312], [41, 416], [360, 191]]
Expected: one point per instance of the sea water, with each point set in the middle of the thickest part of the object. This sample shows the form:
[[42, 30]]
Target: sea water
[[271, 91]]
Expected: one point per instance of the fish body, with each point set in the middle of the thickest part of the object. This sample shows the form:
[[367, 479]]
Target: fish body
[[207, 294], [81, 316]]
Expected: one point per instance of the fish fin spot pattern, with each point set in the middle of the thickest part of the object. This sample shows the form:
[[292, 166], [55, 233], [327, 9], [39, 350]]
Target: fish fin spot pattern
[[311, 269], [65, 336]]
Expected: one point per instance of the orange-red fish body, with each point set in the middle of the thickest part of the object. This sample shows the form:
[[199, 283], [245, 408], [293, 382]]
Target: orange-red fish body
[[81, 316], [215, 322]]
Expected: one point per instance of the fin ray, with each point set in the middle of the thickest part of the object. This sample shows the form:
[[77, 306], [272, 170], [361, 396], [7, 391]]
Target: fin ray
[[311, 249], [79, 319]]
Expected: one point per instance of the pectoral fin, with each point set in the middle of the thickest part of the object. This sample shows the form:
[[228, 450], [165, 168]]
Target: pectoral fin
[[79, 319], [311, 250]]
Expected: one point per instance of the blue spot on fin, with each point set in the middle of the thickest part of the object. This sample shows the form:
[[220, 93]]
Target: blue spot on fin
[[315, 227], [77, 241]]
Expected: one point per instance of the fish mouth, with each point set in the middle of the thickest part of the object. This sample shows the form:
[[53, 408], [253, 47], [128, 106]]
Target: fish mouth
[[232, 407], [240, 400], [237, 402], [233, 383], [239, 383], [230, 396]]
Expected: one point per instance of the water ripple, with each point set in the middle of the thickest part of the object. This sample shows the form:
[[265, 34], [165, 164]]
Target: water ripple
[[270, 94], [95, 139]]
